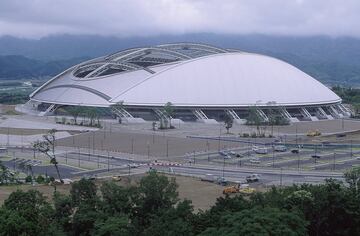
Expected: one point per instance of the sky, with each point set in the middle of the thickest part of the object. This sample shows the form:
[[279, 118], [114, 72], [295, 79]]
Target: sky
[[124, 18]]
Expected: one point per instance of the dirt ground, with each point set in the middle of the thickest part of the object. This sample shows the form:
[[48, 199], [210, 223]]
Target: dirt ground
[[143, 144], [202, 194]]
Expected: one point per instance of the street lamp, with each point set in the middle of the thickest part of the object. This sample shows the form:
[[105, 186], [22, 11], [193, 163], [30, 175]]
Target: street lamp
[[148, 149], [167, 147], [207, 145]]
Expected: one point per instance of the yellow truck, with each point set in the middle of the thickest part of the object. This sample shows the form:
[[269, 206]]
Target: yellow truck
[[239, 188]]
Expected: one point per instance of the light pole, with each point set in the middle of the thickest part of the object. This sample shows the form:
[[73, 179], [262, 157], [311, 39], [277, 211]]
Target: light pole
[[219, 139], [296, 134], [89, 147], [148, 150], [79, 156], [273, 155], [223, 174], [167, 147], [334, 161], [298, 154], [208, 151], [281, 176], [108, 157], [132, 146]]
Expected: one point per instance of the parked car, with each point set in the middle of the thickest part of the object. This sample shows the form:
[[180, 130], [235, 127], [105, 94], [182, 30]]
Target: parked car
[[295, 151], [223, 153], [280, 148], [254, 161]]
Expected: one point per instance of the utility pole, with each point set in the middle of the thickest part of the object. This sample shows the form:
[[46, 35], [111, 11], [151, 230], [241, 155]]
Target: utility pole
[[334, 161], [281, 176]]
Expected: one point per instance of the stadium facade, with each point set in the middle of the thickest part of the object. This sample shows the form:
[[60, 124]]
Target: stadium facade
[[202, 82]]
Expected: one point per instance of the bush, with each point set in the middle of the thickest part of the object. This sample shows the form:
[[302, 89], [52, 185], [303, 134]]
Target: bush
[[28, 179], [40, 179], [253, 135]]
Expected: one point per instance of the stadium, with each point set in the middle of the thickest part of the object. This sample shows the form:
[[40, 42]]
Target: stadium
[[202, 82]]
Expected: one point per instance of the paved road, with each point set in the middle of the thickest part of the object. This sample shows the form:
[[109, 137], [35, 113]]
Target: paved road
[[268, 177]]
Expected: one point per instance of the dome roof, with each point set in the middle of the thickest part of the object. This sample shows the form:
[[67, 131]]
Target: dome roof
[[189, 75]]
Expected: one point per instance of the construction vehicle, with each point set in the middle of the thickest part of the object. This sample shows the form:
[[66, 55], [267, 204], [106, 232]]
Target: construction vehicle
[[313, 133], [238, 188], [116, 178]]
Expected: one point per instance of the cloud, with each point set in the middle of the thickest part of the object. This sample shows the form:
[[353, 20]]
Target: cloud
[[38, 18]]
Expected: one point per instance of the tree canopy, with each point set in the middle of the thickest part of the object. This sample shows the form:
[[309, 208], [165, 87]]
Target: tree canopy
[[153, 208]]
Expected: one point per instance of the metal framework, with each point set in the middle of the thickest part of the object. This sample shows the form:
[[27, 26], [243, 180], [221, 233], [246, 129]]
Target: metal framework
[[139, 58]]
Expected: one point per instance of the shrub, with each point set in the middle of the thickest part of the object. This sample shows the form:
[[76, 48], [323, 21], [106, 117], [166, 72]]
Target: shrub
[[28, 179], [40, 179]]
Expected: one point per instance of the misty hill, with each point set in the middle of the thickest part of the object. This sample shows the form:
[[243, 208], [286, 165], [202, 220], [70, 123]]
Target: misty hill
[[331, 60], [20, 67]]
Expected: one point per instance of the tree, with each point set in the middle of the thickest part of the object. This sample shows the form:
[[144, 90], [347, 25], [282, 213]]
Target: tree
[[113, 226], [260, 221], [26, 213], [254, 118], [6, 176], [83, 191], [63, 211], [352, 177], [228, 122], [174, 221], [155, 193], [169, 111], [272, 119], [92, 113], [117, 199], [47, 147], [74, 111]]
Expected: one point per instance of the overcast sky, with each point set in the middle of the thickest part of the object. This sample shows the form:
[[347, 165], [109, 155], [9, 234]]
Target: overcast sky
[[38, 18]]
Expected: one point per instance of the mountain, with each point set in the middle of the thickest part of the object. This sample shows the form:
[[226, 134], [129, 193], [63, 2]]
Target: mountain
[[20, 67], [330, 60]]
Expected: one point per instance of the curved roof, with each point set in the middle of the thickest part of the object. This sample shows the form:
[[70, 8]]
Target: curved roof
[[191, 75]]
